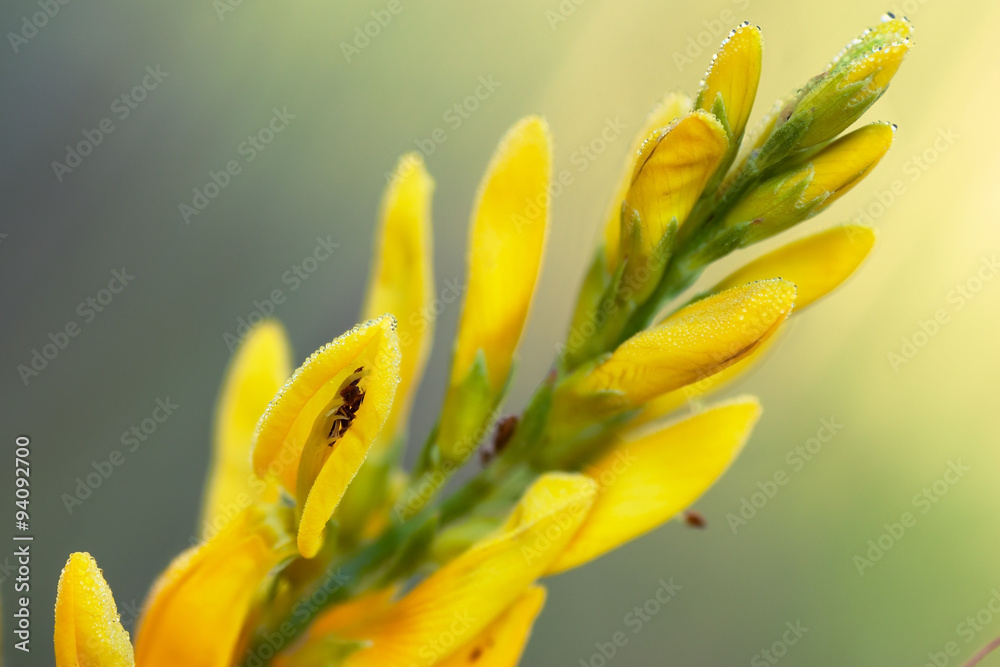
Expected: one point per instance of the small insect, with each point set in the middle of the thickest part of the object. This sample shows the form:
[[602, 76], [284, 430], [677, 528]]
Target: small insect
[[694, 519], [501, 436], [343, 415]]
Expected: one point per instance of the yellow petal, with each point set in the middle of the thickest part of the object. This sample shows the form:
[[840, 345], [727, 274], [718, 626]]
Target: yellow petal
[[672, 169], [294, 440], [672, 107], [196, 609], [733, 77], [456, 603], [502, 642], [88, 630], [816, 264], [666, 403], [507, 237], [647, 481], [402, 281], [262, 364], [693, 343]]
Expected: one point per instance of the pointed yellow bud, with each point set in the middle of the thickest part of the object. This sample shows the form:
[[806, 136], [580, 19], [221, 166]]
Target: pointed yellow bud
[[668, 177], [806, 189], [693, 343], [402, 280], [832, 101], [507, 237], [317, 431], [261, 365], [88, 630], [730, 84]]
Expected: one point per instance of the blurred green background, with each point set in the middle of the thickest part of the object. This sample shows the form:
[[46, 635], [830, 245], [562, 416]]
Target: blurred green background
[[933, 200]]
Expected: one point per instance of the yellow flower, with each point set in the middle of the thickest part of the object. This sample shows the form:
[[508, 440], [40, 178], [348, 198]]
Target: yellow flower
[[693, 343], [402, 279], [259, 368], [672, 107], [670, 174], [316, 432], [507, 236]]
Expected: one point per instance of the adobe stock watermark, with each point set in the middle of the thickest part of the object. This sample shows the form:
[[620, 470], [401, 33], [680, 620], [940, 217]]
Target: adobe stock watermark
[[450, 293], [131, 440], [223, 7], [364, 34], [923, 501], [957, 298], [121, 108], [773, 654], [87, 310], [708, 40], [443, 644], [582, 157], [562, 11], [294, 277], [913, 169], [31, 24], [968, 630], [635, 621], [454, 117], [796, 458], [249, 149]]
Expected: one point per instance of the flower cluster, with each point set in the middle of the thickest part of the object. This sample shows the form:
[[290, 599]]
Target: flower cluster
[[319, 548]]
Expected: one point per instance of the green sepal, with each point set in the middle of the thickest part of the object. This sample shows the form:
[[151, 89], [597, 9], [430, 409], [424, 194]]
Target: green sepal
[[413, 552], [466, 413]]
